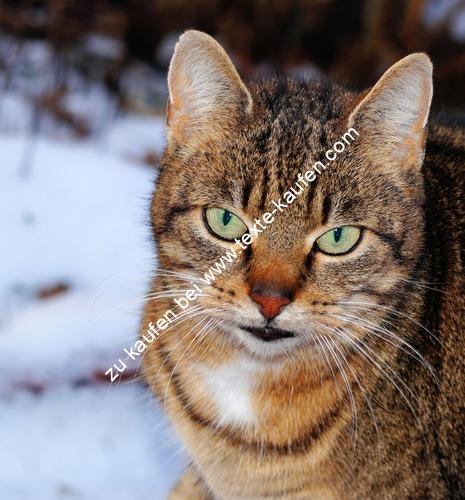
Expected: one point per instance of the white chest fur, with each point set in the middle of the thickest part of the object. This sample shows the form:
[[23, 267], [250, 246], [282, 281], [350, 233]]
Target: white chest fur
[[230, 388]]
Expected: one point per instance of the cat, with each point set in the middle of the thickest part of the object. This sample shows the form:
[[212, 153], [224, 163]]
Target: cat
[[326, 361]]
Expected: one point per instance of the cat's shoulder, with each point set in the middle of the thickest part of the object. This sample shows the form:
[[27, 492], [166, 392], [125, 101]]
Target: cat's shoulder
[[445, 147], [447, 134], [444, 165]]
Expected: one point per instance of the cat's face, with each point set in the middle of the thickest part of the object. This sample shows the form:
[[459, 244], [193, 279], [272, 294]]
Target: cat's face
[[335, 262]]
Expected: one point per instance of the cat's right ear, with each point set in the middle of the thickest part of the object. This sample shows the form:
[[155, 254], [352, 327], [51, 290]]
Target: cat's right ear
[[205, 90], [392, 116]]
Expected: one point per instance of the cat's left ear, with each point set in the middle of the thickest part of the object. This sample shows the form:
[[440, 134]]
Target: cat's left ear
[[392, 117]]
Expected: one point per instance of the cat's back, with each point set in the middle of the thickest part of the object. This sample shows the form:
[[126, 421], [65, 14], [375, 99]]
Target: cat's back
[[444, 165], [444, 171]]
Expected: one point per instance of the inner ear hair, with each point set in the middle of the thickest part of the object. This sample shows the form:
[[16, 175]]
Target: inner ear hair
[[204, 87]]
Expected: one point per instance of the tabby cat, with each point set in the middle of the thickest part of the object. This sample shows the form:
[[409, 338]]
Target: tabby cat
[[327, 360]]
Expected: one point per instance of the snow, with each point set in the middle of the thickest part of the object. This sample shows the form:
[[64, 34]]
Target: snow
[[457, 28], [436, 11], [77, 216], [104, 46], [136, 135], [451, 12], [15, 113], [30, 65], [78, 202], [85, 443]]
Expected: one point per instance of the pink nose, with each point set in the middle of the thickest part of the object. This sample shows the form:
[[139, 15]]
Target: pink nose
[[270, 305]]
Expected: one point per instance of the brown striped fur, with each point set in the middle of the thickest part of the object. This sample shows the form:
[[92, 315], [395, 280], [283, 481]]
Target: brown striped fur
[[241, 147]]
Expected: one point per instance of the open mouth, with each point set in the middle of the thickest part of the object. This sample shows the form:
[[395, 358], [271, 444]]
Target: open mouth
[[267, 334]]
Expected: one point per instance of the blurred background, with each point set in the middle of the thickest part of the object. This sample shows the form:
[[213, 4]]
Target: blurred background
[[82, 98]]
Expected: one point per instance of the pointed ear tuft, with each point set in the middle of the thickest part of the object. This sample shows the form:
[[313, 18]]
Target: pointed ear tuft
[[394, 114], [204, 87]]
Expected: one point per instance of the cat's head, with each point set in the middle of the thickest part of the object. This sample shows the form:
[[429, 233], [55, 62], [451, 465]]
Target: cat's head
[[336, 263]]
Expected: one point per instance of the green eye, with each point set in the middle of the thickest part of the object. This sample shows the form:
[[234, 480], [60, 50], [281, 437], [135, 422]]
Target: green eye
[[224, 224], [339, 240]]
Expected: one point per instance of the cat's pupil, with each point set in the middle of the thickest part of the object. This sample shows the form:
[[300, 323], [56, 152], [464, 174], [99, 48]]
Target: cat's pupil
[[337, 234], [227, 216]]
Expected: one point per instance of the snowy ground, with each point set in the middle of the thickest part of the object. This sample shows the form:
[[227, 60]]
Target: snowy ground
[[76, 219]]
